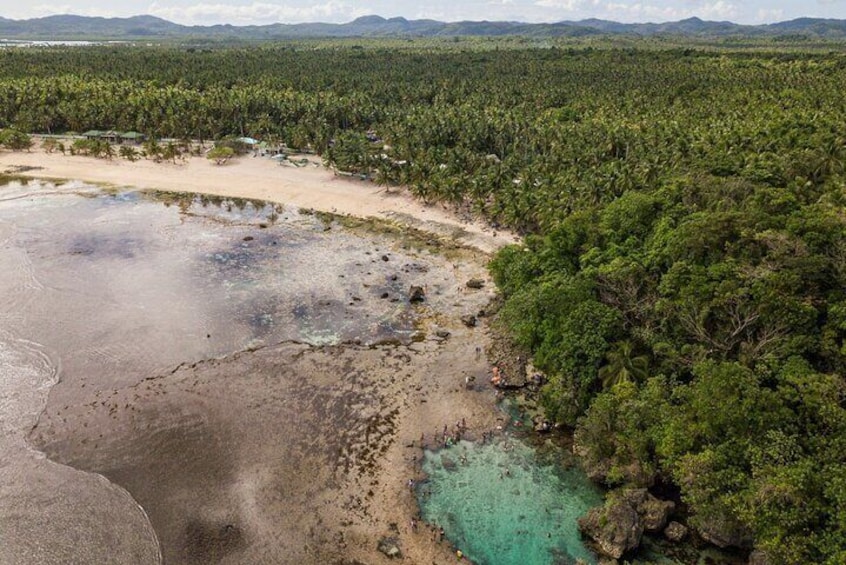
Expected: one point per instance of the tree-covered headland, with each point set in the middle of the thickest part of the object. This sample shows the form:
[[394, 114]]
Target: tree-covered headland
[[683, 277]]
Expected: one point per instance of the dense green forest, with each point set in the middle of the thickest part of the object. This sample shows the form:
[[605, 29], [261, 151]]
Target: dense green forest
[[683, 277]]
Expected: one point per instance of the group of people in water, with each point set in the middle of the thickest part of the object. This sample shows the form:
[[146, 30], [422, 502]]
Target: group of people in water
[[447, 437]]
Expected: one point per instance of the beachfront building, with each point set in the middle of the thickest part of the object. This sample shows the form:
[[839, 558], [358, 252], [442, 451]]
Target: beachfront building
[[113, 136], [132, 137]]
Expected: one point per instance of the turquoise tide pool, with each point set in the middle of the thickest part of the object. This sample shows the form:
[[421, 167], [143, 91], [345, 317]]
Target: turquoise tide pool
[[500, 505]]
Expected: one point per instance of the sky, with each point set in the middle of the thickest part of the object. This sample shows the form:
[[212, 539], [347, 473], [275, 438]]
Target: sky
[[248, 12]]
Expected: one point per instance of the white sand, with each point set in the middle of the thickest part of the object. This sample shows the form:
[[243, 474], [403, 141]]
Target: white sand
[[313, 186]]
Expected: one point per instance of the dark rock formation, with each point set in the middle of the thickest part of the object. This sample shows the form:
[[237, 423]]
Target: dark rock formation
[[390, 547], [618, 526], [615, 528], [653, 512], [469, 321], [722, 530], [541, 424], [675, 532], [475, 283], [416, 294]]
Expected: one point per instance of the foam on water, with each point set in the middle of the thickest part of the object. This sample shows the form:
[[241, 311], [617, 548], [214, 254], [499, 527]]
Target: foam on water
[[501, 505]]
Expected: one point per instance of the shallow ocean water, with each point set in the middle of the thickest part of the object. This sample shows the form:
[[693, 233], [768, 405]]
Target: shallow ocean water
[[500, 504]]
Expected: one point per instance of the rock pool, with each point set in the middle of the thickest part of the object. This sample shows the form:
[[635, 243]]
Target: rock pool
[[501, 504]]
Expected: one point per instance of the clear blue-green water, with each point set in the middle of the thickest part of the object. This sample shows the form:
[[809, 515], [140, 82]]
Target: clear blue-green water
[[501, 504]]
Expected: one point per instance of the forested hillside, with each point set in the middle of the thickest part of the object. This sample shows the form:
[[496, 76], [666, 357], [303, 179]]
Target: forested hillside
[[146, 28], [683, 280]]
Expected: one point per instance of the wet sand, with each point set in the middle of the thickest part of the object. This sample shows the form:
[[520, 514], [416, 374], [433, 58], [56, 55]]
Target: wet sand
[[290, 454], [273, 452]]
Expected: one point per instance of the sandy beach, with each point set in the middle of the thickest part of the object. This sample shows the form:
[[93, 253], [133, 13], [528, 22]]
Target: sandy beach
[[313, 186], [288, 453]]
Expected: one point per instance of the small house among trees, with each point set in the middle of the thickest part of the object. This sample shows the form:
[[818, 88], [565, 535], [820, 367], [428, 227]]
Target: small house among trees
[[112, 136]]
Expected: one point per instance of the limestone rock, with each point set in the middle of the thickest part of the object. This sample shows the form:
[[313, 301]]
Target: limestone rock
[[618, 526], [416, 294], [469, 321], [675, 532], [652, 511], [722, 531], [390, 547], [615, 528], [534, 377], [541, 424]]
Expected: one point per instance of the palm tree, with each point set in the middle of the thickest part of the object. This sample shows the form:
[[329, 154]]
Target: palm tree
[[623, 366]]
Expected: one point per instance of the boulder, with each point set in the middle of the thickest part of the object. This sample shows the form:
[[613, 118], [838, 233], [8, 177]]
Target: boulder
[[618, 526], [442, 333], [722, 530], [652, 511], [675, 532], [469, 321], [615, 528], [541, 424], [416, 294], [475, 283], [534, 377], [390, 547]]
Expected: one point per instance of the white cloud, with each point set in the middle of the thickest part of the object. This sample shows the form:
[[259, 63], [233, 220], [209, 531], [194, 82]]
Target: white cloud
[[257, 13], [568, 5], [41, 10], [766, 16], [641, 12], [718, 10]]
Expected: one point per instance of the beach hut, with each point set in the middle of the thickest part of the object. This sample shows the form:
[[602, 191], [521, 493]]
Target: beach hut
[[133, 137], [111, 136], [92, 134]]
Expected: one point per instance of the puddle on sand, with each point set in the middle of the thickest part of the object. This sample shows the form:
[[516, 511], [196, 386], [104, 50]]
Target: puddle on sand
[[501, 505]]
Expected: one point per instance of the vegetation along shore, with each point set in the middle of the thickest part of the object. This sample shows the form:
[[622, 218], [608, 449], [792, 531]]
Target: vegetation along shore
[[680, 280]]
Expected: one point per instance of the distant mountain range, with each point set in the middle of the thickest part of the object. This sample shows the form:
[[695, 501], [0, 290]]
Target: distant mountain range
[[150, 27]]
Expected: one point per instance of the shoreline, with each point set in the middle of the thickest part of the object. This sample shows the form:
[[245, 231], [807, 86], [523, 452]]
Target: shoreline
[[442, 399], [311, 187]]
